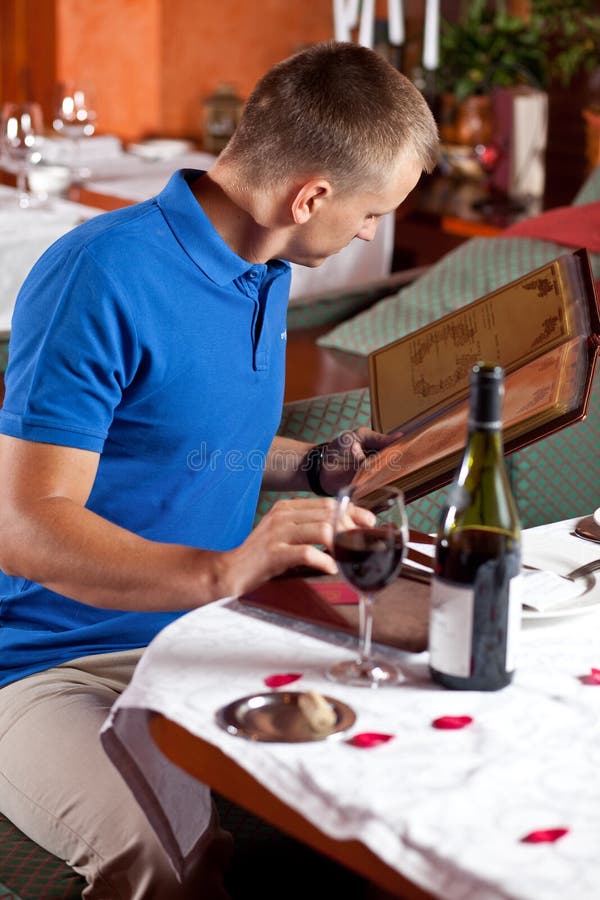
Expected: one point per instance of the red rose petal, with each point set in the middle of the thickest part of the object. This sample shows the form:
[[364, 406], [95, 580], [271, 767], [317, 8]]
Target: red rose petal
[[282, 678], [544, 836], [368, 739], [451, 723], [593, 677]]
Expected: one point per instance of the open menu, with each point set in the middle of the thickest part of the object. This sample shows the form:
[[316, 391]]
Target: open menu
[[543, 328]]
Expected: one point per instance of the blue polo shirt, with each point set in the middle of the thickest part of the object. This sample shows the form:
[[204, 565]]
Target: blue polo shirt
[[142, 336]]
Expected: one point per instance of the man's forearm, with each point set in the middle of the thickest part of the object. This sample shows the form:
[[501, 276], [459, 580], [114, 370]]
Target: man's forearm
[[72, 551], [283, 471]]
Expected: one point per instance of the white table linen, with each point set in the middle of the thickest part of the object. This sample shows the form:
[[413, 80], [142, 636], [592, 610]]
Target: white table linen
[[24, 235], [447, 809]]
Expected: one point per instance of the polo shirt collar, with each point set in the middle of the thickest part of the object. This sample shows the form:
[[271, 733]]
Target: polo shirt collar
[[198, 236]]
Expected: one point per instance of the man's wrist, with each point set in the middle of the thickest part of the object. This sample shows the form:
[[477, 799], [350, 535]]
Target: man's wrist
[[313, 465]]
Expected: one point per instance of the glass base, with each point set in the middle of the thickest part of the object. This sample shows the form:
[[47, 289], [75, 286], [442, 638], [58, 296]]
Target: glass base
[[365, 673], [32, 201]]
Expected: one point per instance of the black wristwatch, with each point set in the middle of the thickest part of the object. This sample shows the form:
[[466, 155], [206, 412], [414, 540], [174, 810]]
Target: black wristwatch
[[312, 465]]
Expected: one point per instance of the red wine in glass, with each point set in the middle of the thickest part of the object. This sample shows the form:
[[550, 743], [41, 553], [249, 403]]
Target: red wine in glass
[[369, 559]]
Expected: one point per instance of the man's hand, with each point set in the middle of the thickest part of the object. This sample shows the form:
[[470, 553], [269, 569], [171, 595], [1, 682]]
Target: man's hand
[[347, 454], [285, 538]]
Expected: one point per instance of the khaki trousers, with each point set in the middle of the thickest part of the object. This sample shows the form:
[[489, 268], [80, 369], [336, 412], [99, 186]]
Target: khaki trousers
[[58, 786]]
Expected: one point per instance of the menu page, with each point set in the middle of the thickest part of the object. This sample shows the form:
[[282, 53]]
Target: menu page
[[536, 393], [416, 377]]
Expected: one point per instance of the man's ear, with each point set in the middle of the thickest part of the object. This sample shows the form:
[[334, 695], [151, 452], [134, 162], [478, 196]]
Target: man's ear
[[308, 199]]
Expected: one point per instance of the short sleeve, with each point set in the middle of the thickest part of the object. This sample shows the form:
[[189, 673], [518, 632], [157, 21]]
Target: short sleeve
[[73, 351]]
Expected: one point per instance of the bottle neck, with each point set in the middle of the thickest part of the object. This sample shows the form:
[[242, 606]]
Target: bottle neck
[[485, 406]]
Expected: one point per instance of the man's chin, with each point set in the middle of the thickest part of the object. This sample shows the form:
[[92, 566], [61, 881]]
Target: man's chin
[[310, 262]]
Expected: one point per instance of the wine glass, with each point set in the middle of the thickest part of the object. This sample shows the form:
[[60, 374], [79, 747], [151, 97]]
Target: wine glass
[[496, 203], [75, 117], [369, 559], [21, 130]]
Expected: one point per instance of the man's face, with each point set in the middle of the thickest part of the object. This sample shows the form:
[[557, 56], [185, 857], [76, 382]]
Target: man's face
[[354, 214]]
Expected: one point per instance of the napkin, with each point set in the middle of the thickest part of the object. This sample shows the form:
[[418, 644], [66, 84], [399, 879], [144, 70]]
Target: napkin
[[543, 590]]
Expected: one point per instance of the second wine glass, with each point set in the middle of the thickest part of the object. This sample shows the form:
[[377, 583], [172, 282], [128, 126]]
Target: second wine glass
[[369, 559], [75, 118]]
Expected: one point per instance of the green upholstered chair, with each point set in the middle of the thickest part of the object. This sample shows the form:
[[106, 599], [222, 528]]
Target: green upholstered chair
[[27, 872]]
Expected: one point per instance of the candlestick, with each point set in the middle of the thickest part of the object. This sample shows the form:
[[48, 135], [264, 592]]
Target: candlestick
[[431, 35]]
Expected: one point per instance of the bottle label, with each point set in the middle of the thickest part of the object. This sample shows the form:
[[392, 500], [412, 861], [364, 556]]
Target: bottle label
[[451, 627], [452, 620]]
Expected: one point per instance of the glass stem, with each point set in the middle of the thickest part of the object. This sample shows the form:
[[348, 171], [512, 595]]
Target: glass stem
[[22, 182], [365, 626]]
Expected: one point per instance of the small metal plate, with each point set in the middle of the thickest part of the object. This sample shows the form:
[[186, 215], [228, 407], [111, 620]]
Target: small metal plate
[[588, 528], [276, 716]]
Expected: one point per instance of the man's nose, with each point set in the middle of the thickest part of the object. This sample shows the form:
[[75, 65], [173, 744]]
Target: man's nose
[[368, 230]]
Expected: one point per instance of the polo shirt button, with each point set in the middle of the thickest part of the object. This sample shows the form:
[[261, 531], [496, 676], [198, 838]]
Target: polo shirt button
[[253, 274]]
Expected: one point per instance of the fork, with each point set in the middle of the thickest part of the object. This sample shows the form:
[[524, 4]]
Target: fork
[[584, 571]]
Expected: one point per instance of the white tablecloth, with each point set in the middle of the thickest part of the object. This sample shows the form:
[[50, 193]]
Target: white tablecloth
[[447, 809], [24, 235]]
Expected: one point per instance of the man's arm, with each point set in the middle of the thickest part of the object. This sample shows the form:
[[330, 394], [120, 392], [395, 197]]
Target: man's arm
[[48, 536], [286, 468]]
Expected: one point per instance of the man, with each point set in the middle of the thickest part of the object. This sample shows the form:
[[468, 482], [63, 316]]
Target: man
[[146, 373]]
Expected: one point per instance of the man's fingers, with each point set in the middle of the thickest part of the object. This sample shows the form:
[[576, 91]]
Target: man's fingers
[[373, 441], [311, 556]]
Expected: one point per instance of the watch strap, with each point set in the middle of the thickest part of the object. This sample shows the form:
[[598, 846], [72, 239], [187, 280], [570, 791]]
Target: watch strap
[[312, 465]]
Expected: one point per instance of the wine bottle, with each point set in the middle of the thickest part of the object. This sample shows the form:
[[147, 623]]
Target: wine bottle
[[475, 597]]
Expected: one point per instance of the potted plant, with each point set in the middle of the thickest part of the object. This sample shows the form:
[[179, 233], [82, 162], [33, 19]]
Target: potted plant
[[489, 49]]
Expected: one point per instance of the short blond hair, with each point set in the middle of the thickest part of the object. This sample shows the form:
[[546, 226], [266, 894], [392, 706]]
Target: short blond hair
[[335, 109]]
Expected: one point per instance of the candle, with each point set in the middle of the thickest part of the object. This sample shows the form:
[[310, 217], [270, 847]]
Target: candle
[[341, 29], [367, 23], [395, 22], [352, 7], [431, 35]]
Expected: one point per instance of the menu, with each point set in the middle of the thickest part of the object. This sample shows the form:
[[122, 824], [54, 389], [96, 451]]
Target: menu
[[544, 329]]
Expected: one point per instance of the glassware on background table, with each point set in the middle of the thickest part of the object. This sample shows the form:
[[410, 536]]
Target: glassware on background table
[[75, 118], [369, 559], [21, 132], [497, 202]]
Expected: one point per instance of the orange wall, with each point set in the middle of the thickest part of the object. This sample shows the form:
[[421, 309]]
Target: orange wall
[[115, 47], [209, 41], [151, 62]]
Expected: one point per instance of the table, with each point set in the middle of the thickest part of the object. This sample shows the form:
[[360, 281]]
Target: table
[[444, 811], [200, 759]]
